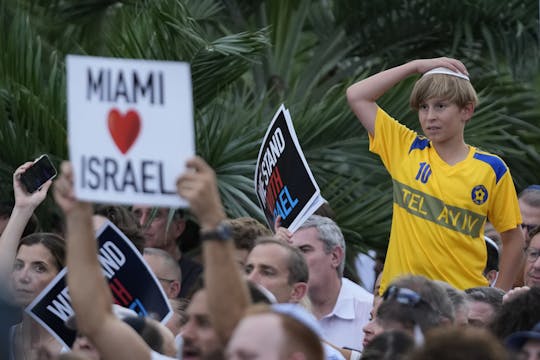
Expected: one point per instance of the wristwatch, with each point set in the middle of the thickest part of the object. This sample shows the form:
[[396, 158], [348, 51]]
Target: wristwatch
[[222, 232]]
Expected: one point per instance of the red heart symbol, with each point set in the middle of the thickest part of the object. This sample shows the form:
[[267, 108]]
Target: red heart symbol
[[124, 129]]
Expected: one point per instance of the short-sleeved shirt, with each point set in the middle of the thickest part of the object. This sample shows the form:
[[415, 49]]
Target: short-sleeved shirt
[[439, 210]]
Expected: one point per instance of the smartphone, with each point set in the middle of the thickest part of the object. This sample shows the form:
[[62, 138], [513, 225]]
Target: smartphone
[[41, 171]]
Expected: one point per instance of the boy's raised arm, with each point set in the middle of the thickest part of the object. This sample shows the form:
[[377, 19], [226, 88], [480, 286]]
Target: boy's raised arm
[[363, 94]]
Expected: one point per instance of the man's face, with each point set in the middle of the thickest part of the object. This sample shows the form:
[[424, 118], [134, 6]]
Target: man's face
[[320, 264], [156, 233], [373, 327], [481, 314], [169, 282], [200, 338], [531, 272], [530, 216], [267, 266], [257, 337]]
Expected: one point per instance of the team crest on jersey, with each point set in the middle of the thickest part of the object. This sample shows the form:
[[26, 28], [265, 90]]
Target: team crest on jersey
[[479, 194]]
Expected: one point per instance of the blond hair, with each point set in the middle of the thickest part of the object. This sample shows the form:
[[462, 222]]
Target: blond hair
[[456, 90]]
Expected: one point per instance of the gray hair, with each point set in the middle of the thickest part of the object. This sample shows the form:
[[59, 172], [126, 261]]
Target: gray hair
[[169, 262], [531, 195], [330, 235]]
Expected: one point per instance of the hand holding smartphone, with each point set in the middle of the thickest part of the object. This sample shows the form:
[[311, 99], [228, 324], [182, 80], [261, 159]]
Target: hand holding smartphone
[[41, 171]]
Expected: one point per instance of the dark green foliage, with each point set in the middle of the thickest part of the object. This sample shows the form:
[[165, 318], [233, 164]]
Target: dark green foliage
[[248, 57]]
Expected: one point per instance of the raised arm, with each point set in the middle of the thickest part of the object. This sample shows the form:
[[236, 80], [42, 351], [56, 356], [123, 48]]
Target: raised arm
[[512, 253], [362, 96], [25, 204], [90, 296], [228, 296]]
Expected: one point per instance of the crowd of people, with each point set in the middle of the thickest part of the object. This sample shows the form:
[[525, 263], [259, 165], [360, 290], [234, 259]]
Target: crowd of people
[[461, 278]]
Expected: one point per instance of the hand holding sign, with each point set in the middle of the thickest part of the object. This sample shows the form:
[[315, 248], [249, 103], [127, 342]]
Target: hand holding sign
[[281, 233], [63, 189], [199, 188]]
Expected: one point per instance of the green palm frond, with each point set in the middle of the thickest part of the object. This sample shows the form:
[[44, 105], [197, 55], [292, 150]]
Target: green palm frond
[[247, 57], [31, 98]]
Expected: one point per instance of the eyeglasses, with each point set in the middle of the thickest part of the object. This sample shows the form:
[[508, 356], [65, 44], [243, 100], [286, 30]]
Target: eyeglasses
[[532, 254], [168, 281], [404, 296], [529, 227]]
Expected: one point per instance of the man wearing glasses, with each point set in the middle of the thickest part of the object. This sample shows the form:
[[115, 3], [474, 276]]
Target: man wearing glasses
[[166, 269], [531, 273], [529, 206]]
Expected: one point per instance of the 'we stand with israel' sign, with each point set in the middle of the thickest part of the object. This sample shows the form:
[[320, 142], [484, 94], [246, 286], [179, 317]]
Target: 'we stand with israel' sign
[[283, 180], [130, 128]]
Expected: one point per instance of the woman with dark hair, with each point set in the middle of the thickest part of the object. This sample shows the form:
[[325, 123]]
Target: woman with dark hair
[[28, 265], [40, 256]]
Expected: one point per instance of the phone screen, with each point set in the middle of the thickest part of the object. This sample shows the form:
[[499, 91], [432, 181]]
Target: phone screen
[[38, 174]]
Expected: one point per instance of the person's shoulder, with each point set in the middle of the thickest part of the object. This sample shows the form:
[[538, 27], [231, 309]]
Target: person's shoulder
[[496, 164]]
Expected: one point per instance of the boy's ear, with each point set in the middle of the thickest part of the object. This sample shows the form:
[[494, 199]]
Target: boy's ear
[[468, 111]]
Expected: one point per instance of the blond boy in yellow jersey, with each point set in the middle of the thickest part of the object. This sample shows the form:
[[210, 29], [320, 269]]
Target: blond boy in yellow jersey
[[444, 190]]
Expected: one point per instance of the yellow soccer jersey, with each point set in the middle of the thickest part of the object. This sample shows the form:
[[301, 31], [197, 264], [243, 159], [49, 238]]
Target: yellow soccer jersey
[[439, 210]]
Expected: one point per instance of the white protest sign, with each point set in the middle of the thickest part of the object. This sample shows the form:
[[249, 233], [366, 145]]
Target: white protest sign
[[130, 126]]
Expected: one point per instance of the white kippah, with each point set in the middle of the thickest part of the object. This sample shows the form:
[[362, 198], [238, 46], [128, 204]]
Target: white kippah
[[446, 71]]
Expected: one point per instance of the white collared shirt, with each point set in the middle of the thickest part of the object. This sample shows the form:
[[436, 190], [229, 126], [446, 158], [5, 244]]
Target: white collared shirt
[[343, 326]]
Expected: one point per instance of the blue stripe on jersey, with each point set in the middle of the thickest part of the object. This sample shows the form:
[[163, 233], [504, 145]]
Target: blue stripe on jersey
[[496, 164], [419, 143]]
